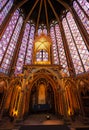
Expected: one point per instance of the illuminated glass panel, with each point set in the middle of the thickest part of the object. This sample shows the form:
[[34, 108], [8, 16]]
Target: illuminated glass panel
[[45, 55], [45, 30], [10, 51], [39, 56], [30, 46], [5, 11], [39, 31], [2, 3], [82, 16], [22, 52], [62, 55], [85, 5], [73, 51], [42, 29], [84, 53], [42, 55], [54, 46], [8, 33]]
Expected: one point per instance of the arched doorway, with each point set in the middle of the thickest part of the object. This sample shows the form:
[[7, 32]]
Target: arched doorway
[[42, 97]]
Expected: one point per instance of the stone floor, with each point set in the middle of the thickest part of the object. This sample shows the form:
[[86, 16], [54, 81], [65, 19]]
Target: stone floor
[[40, 119]]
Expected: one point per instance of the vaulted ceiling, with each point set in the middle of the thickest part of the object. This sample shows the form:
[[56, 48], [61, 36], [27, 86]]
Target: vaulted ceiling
[[43, 11]]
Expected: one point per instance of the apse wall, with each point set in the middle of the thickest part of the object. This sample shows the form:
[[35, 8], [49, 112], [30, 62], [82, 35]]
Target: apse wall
[[70, 46]]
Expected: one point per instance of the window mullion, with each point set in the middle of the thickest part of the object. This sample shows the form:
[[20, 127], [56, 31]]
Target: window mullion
[[75, 45], [4, 6], [9, 43]]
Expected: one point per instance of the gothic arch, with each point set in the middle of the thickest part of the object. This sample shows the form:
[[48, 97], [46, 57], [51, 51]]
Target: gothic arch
[[38, 74], [48, 81], [71, 98], [51, 72], [12, 95]]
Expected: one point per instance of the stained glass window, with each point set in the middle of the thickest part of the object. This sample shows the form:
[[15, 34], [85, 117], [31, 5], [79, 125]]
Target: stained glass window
[[82, 16], [42, 29], [45, 30], [8, 33], [39, 56], [84, 53], [10, 51], [2, 3], [45, 55], [61, 50], [73, 51], [22, 52], [42, 55], [85, 5], [39, 31], [30, 46], [54, 46], [5, 11]]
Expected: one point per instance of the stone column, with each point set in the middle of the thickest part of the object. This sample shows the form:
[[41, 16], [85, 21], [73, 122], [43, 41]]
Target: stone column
[[21, 105]]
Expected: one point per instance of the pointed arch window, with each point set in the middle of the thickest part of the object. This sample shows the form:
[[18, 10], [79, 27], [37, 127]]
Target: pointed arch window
[[5, 10], [39, 31], [54, 46], [80, 44], [22, 52], [2, 3], [77, 47], [62, 56], [74, 54], [28, 59], [42, 51], [82, 16], [4, 42], [42, 29], [45, 30], [5, 66]]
